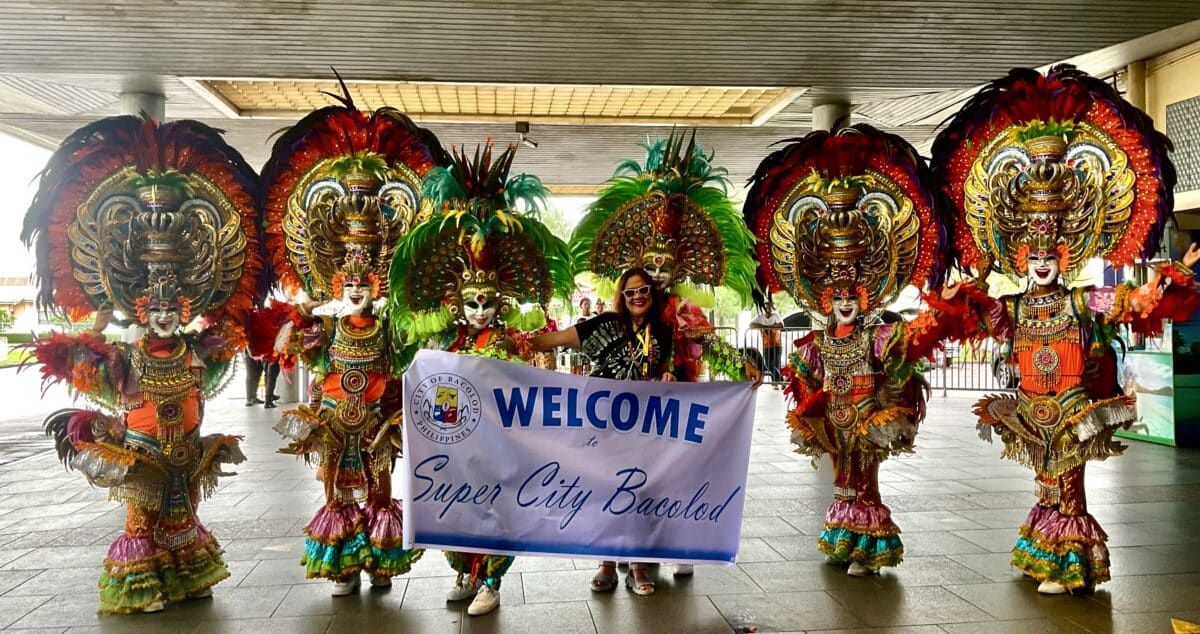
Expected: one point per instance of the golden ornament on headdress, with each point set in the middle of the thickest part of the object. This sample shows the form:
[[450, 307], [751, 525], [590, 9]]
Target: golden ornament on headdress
[[1041, 186], [349, 209], [850, 234]]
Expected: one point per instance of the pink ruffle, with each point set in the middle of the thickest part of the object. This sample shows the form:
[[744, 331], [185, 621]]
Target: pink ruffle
[[862, 518], [385, 523], [1052, 526], [327, 524], [128, 549]]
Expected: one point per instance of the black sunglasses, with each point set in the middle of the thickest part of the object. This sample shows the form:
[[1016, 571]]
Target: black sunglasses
[[630, 293]]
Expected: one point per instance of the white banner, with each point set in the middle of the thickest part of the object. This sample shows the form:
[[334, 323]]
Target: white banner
[[506, 458]]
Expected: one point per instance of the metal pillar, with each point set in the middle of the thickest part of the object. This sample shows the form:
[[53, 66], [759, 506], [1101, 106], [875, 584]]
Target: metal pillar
[[153, 104], [826, 115]]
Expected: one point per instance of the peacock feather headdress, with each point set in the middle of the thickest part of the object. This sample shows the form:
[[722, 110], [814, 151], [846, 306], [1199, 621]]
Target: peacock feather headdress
[[1056, 163], [485, 235], [675, 207], [851, 213], [129, 211]]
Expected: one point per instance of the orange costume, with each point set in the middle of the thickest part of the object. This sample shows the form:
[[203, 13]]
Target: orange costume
[[159, 222], [1047, 172]]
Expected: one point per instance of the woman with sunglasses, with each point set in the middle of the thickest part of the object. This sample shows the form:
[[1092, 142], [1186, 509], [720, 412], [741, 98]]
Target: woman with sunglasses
[[631, 343]]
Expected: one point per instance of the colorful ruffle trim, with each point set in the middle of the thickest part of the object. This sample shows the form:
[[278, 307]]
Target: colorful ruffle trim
[[844, 545], [346, 541], [1067, 549], [338, 561], [385, 526], [129, 585], [865, 519]]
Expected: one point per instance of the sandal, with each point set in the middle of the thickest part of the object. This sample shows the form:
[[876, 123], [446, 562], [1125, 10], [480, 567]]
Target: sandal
[[643, 587], [605, 579]]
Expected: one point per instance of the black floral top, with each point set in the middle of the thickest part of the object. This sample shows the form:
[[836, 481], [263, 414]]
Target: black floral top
[[616, 354]]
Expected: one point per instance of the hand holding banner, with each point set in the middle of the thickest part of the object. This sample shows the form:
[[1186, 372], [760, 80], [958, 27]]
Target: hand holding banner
[[506, 458]]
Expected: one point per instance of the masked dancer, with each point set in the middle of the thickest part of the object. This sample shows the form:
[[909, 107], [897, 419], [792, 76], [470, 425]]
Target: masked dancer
[[1047, 172], [672, 217], [845, 221], [460, 280], [341, 188], [159, 222]]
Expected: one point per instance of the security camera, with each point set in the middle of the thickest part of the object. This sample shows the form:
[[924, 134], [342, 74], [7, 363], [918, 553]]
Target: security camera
[[523, 131]]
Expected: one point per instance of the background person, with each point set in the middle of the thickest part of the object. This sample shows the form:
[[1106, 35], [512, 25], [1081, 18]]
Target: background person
[[770, 325]]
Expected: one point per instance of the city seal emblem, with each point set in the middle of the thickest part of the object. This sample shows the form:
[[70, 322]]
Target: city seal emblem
[[446, 408]]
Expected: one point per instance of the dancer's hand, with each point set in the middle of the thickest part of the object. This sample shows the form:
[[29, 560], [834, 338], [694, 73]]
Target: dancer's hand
[[754, 375], [667, 377], [950, 291], [104, 315], [1192, 256]]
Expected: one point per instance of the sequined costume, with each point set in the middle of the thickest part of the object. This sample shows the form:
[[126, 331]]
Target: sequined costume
[[844, 222], [460, 279], [159, 222], [673, 217], [1048, 171], [341, 188]]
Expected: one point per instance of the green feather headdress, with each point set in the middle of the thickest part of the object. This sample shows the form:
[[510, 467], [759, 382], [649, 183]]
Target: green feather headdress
[[676, 200], [482, 221]]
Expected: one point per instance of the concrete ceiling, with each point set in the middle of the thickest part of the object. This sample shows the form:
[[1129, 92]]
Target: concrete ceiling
[[902, 65]]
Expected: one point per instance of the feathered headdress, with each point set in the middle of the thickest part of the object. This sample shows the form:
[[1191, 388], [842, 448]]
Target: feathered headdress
[[851, 213], [1056, 163], [479, 240], [340, 189], [675, 205], [130, 212]]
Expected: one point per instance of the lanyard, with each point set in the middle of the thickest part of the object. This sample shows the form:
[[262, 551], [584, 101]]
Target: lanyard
[[643, 337]]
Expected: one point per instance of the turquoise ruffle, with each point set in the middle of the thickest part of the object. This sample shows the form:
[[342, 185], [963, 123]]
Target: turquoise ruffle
[[844, 545]]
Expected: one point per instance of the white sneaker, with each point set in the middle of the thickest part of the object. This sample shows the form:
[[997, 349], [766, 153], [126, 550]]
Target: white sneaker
[[684, 570], [343, 588], [1051, 587], [858, 570], [460, 593], [201, 594], [379, 581], [485, 601], [156, 606]]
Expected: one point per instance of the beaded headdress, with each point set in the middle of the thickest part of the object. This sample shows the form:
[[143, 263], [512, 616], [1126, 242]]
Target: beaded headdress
[[671, 210], [484, 239], [130, 212], [847, 214], [1054, 164], [342, 187]]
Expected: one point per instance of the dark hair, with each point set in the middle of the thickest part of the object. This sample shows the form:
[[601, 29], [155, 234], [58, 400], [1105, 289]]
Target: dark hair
[[657, 300]]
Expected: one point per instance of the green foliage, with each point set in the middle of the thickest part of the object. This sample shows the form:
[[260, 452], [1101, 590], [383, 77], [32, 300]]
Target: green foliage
[[6, 319], [368, 162], [17, 338], [1038, 128]]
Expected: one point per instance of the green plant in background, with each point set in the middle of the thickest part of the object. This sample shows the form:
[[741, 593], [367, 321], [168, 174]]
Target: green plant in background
[[6, 320], [62, 323]]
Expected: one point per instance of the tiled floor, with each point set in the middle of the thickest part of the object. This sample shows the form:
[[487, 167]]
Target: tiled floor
[[958, 503]]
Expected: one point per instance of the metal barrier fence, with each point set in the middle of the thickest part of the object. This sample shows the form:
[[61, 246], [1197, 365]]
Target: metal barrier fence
[[957, 367]]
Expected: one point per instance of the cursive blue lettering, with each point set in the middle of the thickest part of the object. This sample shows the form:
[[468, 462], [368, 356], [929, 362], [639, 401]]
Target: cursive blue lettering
[[626, 491]]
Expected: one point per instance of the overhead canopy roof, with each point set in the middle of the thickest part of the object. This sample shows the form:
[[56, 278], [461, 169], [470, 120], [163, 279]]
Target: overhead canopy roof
[[593, 78]]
